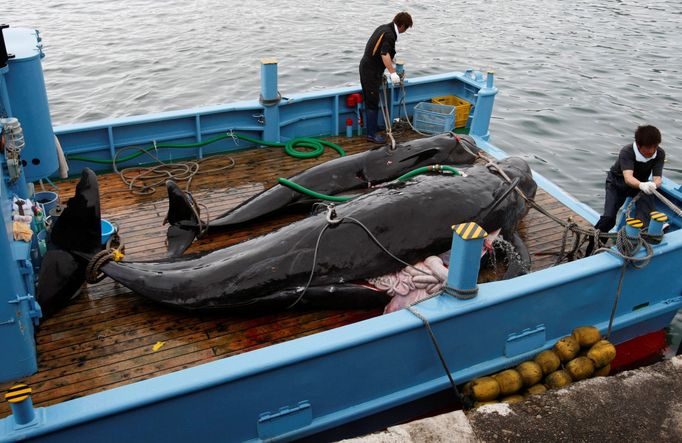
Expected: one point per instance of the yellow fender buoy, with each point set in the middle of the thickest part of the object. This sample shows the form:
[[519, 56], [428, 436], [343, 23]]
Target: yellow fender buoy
[[510, 381], [580, 368], [548, 361], [558, 379], [586, 335], [603, 371], [483, 389], [567, 348], [602, 353], [531, 372]]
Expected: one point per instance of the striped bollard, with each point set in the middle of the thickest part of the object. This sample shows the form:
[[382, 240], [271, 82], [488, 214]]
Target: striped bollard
[[465, 260], [19, 399], [633, 227], [658, 219]]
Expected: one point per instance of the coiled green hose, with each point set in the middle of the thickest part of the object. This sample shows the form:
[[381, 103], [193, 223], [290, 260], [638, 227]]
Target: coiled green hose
[[316, 145]]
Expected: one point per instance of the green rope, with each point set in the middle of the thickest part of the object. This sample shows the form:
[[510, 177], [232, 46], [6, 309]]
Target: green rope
[[315, 147]]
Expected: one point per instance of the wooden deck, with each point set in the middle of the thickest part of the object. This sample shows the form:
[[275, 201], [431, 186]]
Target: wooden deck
[[106, 337]]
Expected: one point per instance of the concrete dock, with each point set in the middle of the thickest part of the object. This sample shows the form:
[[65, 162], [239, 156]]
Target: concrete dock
[[642, 405]]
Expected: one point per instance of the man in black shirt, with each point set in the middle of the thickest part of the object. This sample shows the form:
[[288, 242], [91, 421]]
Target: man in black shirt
[[630, 175], [379, 53]]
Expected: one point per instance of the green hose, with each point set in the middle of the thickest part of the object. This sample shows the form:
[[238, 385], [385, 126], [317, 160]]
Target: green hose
[[339, 198], [306, 191], [424, 169], [316, 145]]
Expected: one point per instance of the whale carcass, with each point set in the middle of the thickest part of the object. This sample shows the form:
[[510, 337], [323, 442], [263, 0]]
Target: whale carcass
[[353, 172], [321, 258]]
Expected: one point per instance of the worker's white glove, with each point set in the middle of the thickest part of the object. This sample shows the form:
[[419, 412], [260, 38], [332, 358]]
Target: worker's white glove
[[393, 78], [647, 187]]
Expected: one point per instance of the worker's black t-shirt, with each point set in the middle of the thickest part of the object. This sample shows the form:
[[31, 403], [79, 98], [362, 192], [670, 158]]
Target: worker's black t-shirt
[[641, 170], [382, 41]]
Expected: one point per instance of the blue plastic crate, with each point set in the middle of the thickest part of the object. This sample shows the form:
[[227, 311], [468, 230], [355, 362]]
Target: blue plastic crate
[[432, 118]]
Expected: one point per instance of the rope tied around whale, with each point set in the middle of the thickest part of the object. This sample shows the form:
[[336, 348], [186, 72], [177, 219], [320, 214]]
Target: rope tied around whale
[[333, 220], [627, 247], [93, 270], [582, 234]]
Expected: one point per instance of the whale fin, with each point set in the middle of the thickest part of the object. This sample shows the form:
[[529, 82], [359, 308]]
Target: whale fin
[[75, 236], [78, 227], [182, 218]]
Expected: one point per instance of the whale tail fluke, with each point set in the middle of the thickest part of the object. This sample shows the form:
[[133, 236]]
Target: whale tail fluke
[[74, 237], [183, 220]]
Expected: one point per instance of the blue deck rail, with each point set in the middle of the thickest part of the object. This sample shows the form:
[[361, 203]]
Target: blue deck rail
[[278, 118]]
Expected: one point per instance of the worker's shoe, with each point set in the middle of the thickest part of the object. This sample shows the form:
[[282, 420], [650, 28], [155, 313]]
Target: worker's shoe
[[376, 138], [371, 116]]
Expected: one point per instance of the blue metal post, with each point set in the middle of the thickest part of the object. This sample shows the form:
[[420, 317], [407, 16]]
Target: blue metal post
[[658, 219], [19, 399], [4, 94], [270, 98], [465, 260], [483, 111], [16, 324], [25, 85], [633, 227]]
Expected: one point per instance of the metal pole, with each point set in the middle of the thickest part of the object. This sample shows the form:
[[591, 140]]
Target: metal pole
[[270, 99]]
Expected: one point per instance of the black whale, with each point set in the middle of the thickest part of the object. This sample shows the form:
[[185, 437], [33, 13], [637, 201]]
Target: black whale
[[357, 171], [412, 220]]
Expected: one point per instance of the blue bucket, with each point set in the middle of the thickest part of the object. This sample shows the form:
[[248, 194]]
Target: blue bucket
[[48, 199], [107, 230]]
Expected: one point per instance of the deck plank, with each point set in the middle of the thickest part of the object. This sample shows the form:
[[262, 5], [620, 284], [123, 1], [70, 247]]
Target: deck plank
[[105, 337]]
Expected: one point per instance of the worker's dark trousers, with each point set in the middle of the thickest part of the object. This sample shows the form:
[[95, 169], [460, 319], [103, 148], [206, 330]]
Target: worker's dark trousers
[[370, 80], [616, 193]]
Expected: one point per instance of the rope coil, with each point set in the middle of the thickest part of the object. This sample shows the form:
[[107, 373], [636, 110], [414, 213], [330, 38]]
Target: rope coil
[[93, 273]]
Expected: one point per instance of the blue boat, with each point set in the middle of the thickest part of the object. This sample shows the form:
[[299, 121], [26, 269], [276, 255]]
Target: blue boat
[[339, 382]]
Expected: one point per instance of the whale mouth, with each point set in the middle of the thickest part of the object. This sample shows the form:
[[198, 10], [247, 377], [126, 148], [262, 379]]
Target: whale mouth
[[420, 157]]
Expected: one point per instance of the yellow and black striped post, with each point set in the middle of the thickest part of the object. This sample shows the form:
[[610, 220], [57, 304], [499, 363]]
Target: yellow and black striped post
[[656, 222], [19, 399], [633, 226], [465, 260]]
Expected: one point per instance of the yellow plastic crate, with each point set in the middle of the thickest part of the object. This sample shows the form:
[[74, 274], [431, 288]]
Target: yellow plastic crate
[[462, 108]]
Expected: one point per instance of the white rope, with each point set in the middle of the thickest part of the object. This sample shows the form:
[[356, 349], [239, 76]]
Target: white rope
[[387, 116], [162, 171], [668, 203]]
